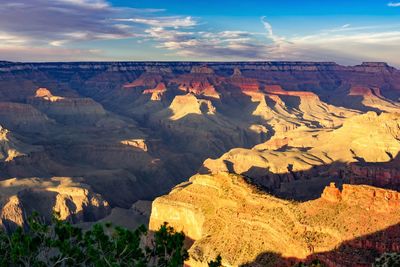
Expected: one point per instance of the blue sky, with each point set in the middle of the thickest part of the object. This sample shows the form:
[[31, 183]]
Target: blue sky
[[344, 31]]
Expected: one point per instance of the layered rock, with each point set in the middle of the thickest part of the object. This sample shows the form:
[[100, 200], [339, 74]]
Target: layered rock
[[137, 143], [68, 197], [11, 147], [201, 81], [16, 116], [63, 109], [382, 175], [369, 98], [305, 154], [157, 92], [195, 125], [223, 214], [182, 106]]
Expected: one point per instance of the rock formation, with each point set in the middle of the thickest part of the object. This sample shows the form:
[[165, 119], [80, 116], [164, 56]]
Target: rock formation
[[223, 214], [303, 154], [67, 110], [22, 117], [71, 199]]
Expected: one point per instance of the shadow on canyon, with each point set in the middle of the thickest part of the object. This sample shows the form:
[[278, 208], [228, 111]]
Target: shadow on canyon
[[360, 251], [42, 202], [309, 184]]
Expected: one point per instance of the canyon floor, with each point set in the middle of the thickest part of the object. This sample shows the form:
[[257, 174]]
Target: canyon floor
[[262, 141]]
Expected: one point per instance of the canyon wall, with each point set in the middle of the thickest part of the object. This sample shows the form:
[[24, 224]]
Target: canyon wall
[[224, 214], [131, 131]]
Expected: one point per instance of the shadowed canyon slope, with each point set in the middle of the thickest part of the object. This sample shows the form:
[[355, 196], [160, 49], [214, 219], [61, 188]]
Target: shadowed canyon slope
[[122, 133]]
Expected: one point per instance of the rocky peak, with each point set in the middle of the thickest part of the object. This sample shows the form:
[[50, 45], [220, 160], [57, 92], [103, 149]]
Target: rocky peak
[[332, 193], [45, 93], [373, 198]]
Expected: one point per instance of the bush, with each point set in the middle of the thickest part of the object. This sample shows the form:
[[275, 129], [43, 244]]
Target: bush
[[387, 260], [62, 244], [216, 263]]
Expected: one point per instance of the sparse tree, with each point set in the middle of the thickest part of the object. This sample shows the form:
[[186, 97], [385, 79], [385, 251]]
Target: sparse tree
[[63, 244]]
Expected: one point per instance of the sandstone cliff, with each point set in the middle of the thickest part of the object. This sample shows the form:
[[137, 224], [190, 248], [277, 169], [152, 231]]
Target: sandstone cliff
[[305, 154], [223, 214], [74, 201]]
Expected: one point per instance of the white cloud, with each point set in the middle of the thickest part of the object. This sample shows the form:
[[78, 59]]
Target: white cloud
[[345, 44], [270, 32], [174, 22], [86, 3], [394, 4]]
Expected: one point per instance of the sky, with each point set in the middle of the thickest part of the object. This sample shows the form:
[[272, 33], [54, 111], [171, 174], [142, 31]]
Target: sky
[[345, 31]]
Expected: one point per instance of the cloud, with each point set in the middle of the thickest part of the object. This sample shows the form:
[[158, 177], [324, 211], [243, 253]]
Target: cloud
[[348, 45], [191, 43], [40, 21], [345, 44], [394, 4], [54, 30], [97, 4], [44, 24], [174, 22], [270, 32]]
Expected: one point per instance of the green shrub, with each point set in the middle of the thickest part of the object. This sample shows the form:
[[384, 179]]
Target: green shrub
[[387, 260], [63, 244]]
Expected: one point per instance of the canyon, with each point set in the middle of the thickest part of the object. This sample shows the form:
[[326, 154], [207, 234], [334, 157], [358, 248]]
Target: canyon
[[262, 142]]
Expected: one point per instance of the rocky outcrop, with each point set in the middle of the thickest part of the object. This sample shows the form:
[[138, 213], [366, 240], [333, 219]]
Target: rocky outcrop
[[303, 154], [147, 79], [11, 147], [372, 198], [189, 104], [72, 200], [157, 92], [223, 214], [332, 193], [67, 110], [369, 98], [137, 143]]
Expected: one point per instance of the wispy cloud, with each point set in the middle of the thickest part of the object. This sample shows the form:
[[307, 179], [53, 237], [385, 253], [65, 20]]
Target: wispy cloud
[[270, 32], [174, 22], [394, 4]]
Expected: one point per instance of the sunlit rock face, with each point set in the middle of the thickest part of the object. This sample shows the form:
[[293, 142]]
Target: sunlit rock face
[[347, 152], [131, 131], [224, 214], [72, 200]]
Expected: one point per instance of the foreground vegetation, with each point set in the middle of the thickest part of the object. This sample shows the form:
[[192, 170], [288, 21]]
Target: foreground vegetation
[[62, 244]]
